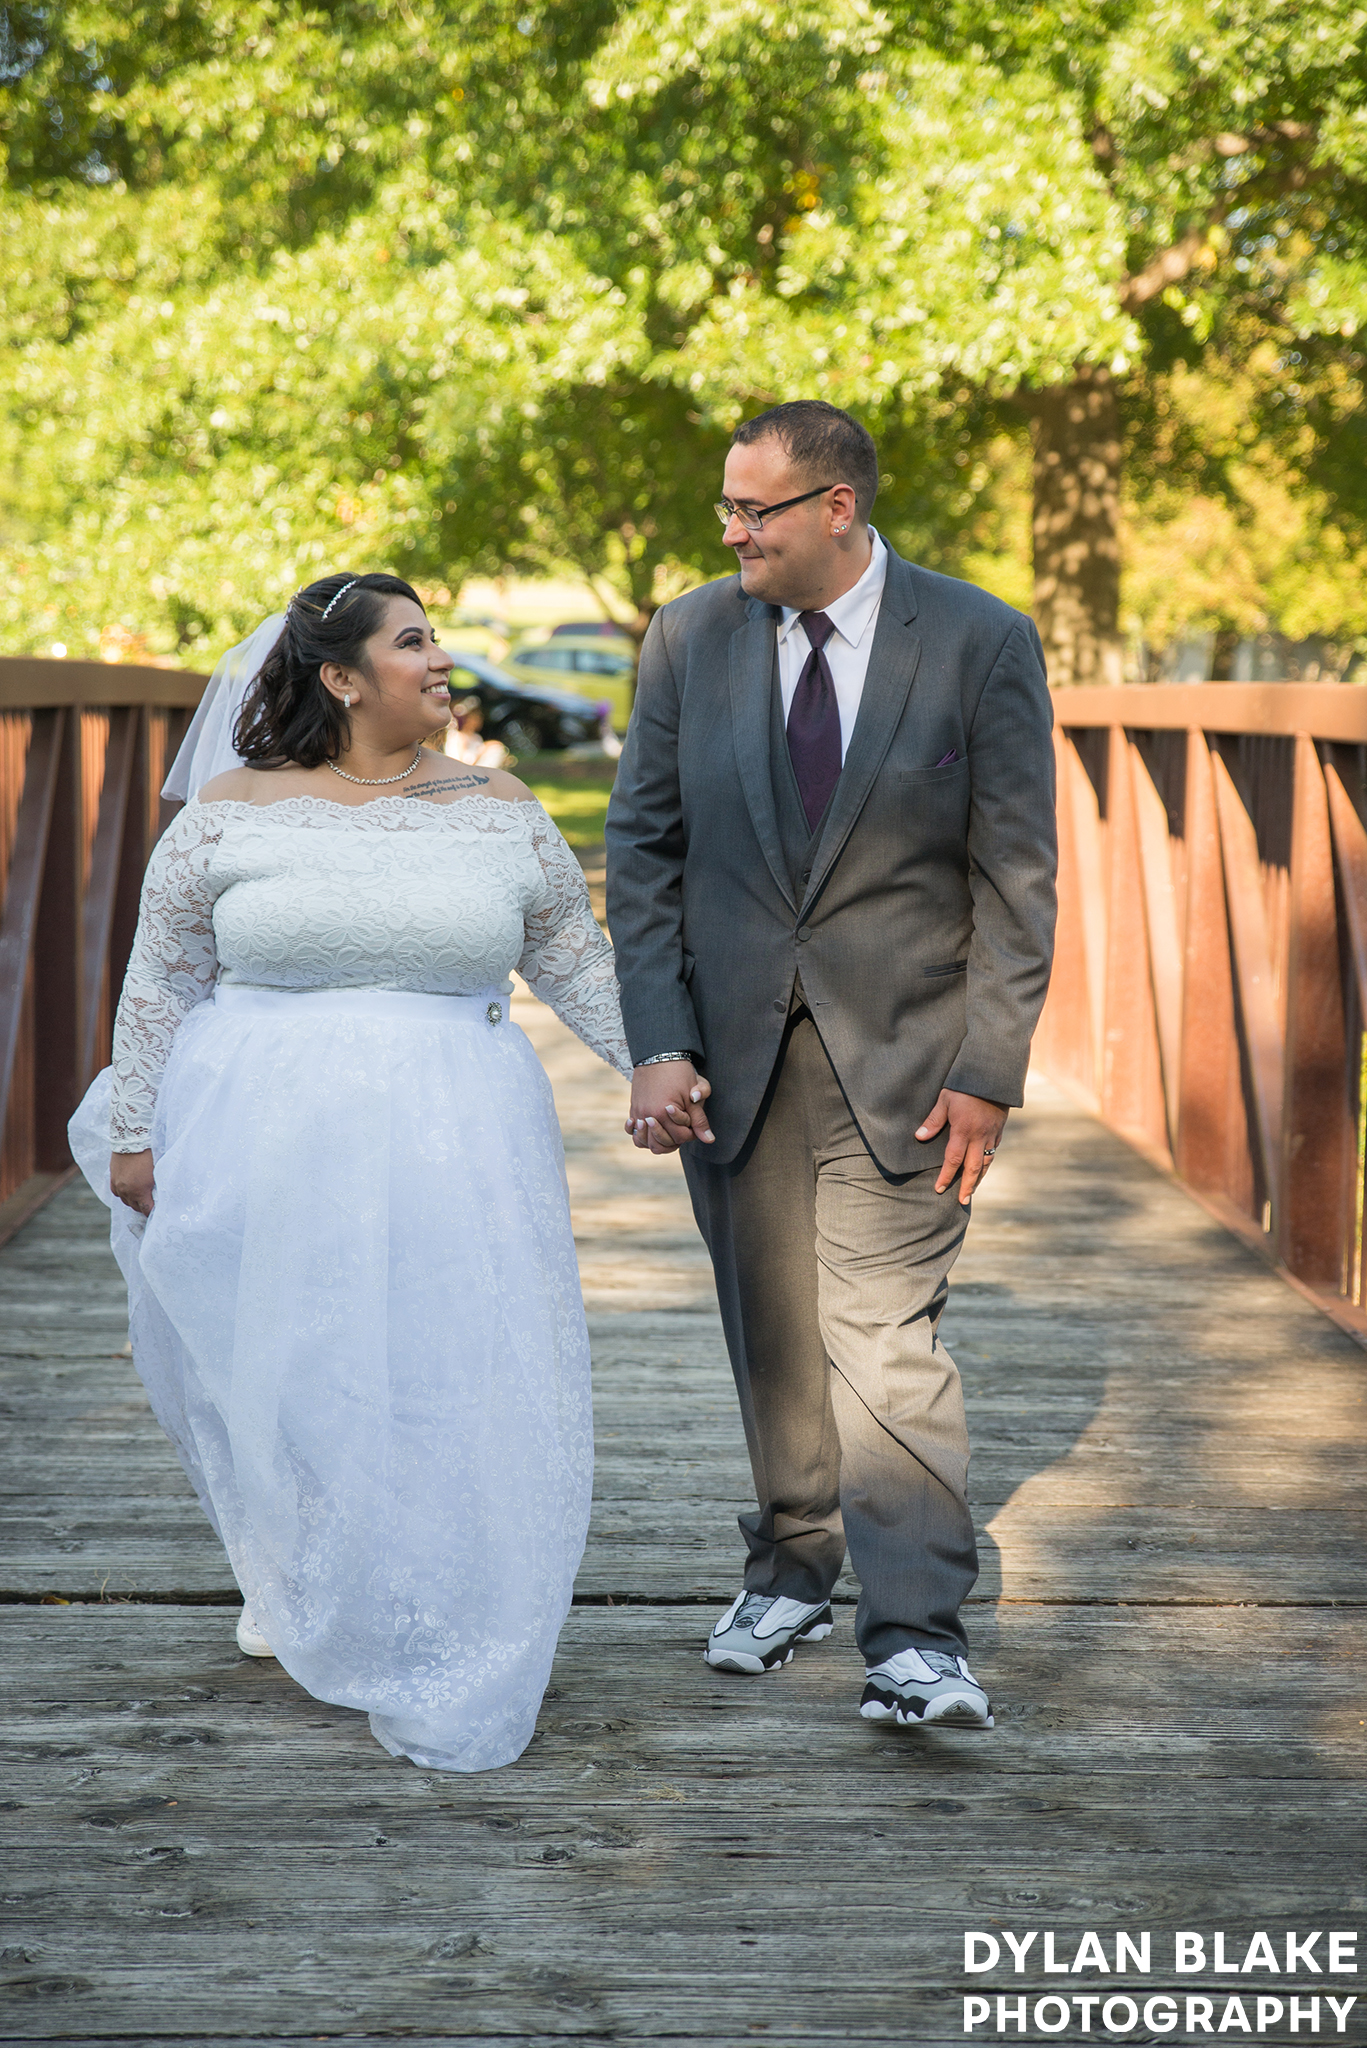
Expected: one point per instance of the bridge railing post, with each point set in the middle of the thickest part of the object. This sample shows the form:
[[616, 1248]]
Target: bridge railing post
[[83, 752], [1213, 953]]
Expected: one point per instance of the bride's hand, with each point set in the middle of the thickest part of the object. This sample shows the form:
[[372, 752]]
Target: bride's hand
[[667, 1107], [130, 1178]]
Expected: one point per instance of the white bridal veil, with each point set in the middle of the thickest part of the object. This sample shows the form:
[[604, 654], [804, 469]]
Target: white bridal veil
[[207, 749]]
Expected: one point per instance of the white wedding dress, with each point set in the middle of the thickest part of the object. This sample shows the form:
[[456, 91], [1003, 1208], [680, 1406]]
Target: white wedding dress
[[356, 1305]]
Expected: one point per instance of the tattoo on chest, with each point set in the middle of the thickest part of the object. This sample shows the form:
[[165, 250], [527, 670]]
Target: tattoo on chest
[[438, 785]]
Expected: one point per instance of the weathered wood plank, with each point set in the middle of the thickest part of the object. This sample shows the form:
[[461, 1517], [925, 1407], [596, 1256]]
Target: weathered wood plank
[[672, 1847], [638, 1468], [679, 1549]]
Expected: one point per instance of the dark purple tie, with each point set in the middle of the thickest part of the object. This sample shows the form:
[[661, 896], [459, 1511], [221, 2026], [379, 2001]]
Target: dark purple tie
[[814, 722]]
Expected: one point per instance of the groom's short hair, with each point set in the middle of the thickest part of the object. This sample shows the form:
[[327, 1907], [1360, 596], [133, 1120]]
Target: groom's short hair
[[821, 442]]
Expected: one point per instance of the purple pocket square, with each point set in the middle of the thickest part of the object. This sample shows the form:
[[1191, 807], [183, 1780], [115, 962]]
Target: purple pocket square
[[952, 755]]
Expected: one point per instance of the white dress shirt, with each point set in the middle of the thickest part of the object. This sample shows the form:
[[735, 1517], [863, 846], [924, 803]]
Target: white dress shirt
[[847, 651]]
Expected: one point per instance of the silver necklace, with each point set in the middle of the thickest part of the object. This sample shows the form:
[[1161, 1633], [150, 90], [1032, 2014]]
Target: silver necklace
[[374, 781]]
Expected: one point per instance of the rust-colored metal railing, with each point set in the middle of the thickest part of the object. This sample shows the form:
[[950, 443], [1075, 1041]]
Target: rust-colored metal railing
[[84, 748], [1209, 998]]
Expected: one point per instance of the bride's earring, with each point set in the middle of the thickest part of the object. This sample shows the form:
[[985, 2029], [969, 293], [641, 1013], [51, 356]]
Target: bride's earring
[[347, 700]]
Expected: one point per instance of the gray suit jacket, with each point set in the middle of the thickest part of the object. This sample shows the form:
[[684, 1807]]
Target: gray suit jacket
[[922, 923]]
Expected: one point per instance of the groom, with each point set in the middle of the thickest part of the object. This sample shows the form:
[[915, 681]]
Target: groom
[[831, 889]]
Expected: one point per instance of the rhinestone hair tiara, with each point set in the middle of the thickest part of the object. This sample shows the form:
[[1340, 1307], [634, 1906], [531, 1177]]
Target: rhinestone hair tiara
[[340, 594]]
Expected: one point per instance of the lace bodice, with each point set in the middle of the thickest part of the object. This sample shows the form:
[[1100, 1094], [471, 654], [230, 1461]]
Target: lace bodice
[[304, 893]]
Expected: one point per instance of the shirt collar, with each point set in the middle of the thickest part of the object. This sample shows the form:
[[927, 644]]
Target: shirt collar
[[851, 614]]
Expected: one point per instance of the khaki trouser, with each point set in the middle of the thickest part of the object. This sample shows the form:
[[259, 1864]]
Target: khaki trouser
[[832, 1278]]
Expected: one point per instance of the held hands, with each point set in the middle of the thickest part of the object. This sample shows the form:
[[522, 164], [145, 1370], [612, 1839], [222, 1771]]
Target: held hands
[[667, 1107], [130, 1178], [975, 1131]]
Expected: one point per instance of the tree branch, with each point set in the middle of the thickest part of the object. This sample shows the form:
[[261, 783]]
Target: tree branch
[[1167, 267], [1277, 131], [1172, 264]]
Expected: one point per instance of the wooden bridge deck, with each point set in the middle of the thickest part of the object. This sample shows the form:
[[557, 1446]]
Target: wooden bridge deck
[[1168, 1484]]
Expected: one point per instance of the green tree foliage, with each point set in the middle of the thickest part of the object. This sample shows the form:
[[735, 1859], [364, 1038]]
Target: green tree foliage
[[262, 314], [615, 480], [1051, 214], [449, 287]]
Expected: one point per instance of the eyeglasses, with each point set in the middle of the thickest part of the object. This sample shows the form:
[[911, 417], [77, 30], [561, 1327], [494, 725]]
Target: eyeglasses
[[752, 517]]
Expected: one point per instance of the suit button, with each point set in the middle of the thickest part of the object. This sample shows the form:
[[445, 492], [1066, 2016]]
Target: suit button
[[778, 1005], [806, 874], [802, 937]]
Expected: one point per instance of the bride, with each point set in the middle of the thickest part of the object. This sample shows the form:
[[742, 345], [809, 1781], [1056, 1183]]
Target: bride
[[341, 1205]]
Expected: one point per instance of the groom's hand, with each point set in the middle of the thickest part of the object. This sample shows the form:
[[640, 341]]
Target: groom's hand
[[975, 1131], [667, 1107]]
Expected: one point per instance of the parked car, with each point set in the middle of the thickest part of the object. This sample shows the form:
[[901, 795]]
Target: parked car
[[530, 717], [472, 634], [594, 629], [586, 665]]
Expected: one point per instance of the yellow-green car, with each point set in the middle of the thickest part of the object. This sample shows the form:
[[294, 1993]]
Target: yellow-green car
[[592, 665]]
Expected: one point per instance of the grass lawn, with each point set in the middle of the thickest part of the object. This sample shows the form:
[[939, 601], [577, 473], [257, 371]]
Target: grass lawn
[[574, 792]]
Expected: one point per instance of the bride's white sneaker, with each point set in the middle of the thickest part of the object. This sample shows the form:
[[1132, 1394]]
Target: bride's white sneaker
[[758, 1632], [250, 1640]]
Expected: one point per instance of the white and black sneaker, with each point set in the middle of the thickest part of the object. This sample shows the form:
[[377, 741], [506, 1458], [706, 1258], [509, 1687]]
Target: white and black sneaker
[[759, 1632], [919, 1686]]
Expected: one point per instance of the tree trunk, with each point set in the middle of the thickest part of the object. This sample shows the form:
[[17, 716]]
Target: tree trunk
[[1075, 430]]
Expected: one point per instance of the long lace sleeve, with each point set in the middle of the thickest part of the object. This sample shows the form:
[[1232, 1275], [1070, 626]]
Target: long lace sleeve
[[172, 968], [567, 960]]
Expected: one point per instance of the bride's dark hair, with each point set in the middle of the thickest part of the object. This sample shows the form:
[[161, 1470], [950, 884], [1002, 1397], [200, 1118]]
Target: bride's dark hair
[[287, 715]]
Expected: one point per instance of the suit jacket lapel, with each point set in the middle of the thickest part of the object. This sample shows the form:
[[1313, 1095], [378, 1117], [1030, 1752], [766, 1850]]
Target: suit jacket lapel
[[752, 675], [893, 660]]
